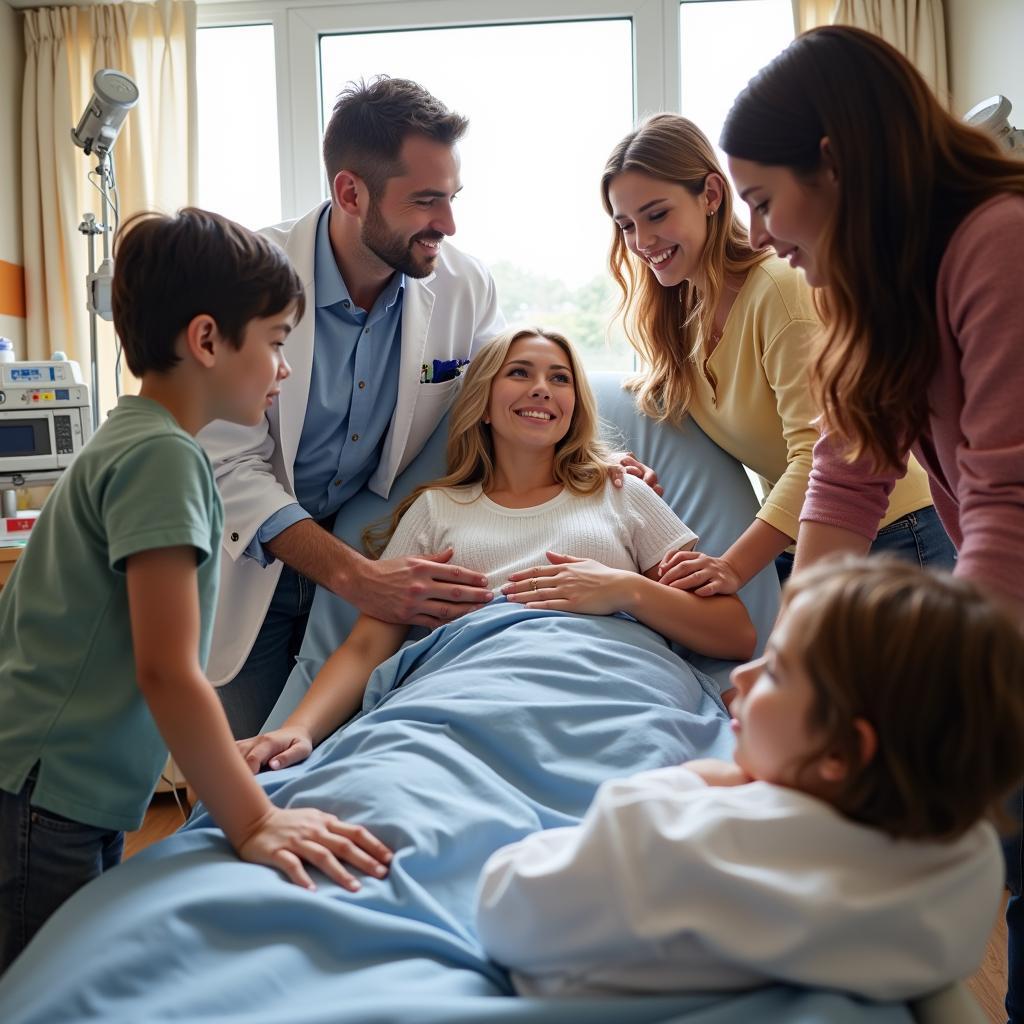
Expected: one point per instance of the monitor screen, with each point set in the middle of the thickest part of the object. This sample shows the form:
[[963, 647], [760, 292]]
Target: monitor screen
[[20, 438]]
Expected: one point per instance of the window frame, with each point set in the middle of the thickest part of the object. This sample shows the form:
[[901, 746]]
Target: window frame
[[299, 25]]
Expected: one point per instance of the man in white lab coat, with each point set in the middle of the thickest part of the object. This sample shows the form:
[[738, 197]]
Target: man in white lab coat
[[386, 296]]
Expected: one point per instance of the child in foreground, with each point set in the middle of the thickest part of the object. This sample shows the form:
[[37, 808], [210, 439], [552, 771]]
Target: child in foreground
[[105, 623], [844, 848]]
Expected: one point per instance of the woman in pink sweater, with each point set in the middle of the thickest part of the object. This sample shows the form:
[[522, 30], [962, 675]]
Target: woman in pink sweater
[[911, 225]]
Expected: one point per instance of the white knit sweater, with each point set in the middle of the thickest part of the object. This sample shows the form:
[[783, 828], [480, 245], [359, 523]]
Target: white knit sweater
[[624, 528]]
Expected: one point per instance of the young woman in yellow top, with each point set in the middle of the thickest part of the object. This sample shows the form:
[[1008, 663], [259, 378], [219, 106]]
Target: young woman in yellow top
[[723, 331]]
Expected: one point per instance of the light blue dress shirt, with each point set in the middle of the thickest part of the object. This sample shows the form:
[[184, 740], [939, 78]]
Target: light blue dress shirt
[[353, 391]]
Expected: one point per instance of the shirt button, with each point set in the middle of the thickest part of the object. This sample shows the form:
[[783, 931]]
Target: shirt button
[[355, 437], [346, 303], [234, 536], [337, 483], [367, 331], [362, 384]]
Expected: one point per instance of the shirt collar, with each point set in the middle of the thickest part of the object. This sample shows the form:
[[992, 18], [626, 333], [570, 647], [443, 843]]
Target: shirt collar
[[329, 286]]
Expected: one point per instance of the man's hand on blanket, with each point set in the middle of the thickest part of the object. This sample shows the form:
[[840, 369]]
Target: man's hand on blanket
[[718, 773], [703, 574], [571, 584], [420, 591], [630, 464], [280, 748], [284, 839]]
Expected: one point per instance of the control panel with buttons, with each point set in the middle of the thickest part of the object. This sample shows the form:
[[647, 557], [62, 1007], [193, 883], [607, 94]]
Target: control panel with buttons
[[45, 418]]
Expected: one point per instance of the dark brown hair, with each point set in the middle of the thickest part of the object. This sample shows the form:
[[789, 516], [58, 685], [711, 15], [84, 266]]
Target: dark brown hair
[[670, 328], [908, 173], [936, 668], [370, 122], [168, 270]]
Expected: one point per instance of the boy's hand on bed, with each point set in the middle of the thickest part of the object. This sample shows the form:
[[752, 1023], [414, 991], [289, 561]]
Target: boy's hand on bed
[[703, 574], [718, 773], [280, 748], [630, 464], [570, 585], [287, 838]]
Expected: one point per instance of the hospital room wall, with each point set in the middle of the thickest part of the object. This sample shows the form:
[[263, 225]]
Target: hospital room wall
[[12, 278], [985, 45]]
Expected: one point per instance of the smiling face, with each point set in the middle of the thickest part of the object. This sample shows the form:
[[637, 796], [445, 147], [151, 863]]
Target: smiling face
[[788, 213], [662, 223], [250, 375], [532, 396], [405, 226], [771, 714]]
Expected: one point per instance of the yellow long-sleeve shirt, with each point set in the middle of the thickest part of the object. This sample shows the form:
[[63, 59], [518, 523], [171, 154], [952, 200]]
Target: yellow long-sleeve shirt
[[752, 396]]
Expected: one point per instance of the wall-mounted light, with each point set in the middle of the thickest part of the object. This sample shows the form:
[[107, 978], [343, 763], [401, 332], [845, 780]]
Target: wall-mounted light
[[993, 116]]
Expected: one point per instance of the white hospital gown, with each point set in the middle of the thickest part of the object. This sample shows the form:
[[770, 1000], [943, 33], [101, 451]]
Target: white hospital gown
[[670, 885]]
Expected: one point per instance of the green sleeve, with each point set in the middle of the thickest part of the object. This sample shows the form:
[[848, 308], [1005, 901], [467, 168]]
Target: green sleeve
[[160, 494]]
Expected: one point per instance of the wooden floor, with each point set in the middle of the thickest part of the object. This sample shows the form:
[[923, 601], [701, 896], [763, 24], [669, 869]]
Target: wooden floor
[[988, 985], [162, 818]]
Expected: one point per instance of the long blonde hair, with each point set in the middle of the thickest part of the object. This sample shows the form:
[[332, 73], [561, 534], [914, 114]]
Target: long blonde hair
[[671, 328], [908, 173], [582, 460]]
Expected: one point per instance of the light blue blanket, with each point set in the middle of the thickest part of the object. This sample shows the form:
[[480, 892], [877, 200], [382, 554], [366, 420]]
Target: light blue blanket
[[496, 725]]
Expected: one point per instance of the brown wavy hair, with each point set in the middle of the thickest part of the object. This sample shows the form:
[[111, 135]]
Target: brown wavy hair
[[670, 328], [908, 173], [581, 462], [935, 667]]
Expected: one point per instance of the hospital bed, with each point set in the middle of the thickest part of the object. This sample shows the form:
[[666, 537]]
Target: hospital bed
[[490, 727]]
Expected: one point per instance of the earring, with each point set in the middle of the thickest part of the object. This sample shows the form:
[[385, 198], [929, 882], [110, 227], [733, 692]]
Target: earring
[[711, 213]]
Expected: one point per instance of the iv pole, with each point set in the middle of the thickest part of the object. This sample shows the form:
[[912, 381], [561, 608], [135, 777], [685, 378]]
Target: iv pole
[[114, 94], [92, 229]]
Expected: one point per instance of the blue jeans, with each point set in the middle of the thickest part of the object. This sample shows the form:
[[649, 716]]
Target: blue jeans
[[917, 537], [44, 859], [1013, 851], [250, 697]]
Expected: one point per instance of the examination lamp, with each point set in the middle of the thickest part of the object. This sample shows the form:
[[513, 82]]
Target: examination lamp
[[993, 116], [113, 95]]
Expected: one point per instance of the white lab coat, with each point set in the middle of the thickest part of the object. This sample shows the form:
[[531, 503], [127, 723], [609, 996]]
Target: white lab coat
[[445, 316], [670, 885]]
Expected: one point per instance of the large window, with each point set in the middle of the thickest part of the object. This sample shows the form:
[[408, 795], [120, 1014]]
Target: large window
[[723, 44], [549, 87], [239, 166], [540, 132]]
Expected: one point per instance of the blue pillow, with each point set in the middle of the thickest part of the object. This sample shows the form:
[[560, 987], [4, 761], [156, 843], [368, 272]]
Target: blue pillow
[[707, 488]]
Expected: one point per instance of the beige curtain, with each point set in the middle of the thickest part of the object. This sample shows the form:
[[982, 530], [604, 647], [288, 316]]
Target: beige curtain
[[811, 13], [155, 153], [917, 28]]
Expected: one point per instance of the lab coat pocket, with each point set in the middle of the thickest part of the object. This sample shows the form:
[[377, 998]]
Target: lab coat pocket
[[432, 402]]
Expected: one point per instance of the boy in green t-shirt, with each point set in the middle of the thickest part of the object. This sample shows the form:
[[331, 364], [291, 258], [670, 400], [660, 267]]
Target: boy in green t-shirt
[[105, 623]]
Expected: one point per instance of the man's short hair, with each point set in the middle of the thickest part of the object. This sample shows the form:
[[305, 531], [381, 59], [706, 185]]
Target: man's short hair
[[168, 270], [370, 122]]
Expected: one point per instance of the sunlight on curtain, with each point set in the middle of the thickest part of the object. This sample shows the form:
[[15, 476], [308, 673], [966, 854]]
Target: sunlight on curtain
[[154, 154], [811, 13], [917, 28]]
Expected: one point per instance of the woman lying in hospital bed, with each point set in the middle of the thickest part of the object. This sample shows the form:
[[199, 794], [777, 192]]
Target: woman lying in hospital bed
[[527, 474]]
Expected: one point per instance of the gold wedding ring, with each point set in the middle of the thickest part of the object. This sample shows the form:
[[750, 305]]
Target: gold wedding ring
[[533, 584]]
